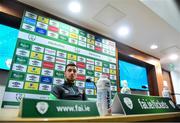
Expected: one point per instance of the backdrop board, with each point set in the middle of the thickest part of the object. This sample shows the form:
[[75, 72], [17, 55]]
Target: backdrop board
[[43, 49]]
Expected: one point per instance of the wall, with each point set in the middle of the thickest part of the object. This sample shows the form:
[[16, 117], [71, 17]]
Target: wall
[[3, 77], [155, 77], [167, 78], [176, 85], [2, 89], [3, 81], [154, 72]]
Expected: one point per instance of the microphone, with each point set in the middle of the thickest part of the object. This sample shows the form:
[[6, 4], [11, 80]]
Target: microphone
[[146, 87], [175, 93], [90, 84], [88, 80], [143, 86]]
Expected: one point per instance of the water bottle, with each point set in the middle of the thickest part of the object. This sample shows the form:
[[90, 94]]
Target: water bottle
[[166, 92], [104, 96]]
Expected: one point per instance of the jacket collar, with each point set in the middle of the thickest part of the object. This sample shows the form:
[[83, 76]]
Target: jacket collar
[[69, 83]]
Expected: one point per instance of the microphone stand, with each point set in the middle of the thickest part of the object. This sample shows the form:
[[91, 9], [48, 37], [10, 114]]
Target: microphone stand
[[175, 93]]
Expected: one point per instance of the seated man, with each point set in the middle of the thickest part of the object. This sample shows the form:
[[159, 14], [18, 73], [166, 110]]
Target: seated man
[[68, 90]]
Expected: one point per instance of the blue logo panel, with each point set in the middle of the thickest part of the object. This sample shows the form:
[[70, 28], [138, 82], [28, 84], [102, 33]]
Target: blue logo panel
[[29, 21], [46, 80], [41, 31], [90, 85]]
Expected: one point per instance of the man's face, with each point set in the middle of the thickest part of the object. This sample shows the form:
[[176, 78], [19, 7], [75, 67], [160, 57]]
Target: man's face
[[71, 73]]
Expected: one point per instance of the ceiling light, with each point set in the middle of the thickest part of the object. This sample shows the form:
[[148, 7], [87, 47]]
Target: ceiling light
[[75, 7], [154, 46], [131, 55], [173, 57], [123, 31]]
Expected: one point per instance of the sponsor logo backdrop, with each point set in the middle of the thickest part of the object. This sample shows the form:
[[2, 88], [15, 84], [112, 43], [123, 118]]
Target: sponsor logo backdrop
[[43, 49]]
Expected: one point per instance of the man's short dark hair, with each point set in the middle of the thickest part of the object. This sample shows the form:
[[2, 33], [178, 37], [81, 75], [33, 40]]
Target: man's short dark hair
[[70, 64]]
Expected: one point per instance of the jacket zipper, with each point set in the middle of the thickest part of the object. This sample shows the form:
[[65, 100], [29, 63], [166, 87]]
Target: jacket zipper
[[73, 90]]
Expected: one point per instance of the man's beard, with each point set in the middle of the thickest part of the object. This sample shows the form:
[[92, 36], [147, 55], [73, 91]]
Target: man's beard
[[72, 79]]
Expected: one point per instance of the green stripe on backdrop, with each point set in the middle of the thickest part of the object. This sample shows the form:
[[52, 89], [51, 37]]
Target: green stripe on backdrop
[[27, 91]]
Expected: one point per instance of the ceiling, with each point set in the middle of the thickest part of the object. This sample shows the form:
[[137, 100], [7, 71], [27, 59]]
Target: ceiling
[[150, 21]]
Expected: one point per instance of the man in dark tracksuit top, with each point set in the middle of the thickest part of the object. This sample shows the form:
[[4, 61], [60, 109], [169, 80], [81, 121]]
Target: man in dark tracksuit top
[[68, 90]]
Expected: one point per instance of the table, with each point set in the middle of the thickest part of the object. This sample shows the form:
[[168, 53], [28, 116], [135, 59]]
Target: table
[[11, 115]]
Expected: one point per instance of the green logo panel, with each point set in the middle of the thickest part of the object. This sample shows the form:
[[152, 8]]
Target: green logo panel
[[24, 45], [17, 75], [21, 60]]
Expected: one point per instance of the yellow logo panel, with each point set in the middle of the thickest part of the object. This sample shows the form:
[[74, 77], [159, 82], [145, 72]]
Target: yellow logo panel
[[89, 41], [112, 71], [99, 69], [95, 92], [43, 19], [73, 35], [31, 86], [96, 79], [72, 57], [34, 70], [36, 55]]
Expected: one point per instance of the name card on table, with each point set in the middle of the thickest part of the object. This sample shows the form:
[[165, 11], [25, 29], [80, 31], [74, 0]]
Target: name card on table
[[57, 108], [140, 104]]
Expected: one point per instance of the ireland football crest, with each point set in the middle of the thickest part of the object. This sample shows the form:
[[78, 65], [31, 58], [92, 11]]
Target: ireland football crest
[[128, 102], [42, 107]]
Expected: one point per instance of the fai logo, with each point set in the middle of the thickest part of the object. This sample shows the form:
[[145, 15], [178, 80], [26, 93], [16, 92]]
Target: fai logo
[[19, 96], [31, 37], [42, 107], [128, 102], [172, 104]]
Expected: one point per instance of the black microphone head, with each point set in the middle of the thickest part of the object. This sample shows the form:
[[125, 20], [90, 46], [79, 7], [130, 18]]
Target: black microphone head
[[90, 83], [88, 80], [144, 86]]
